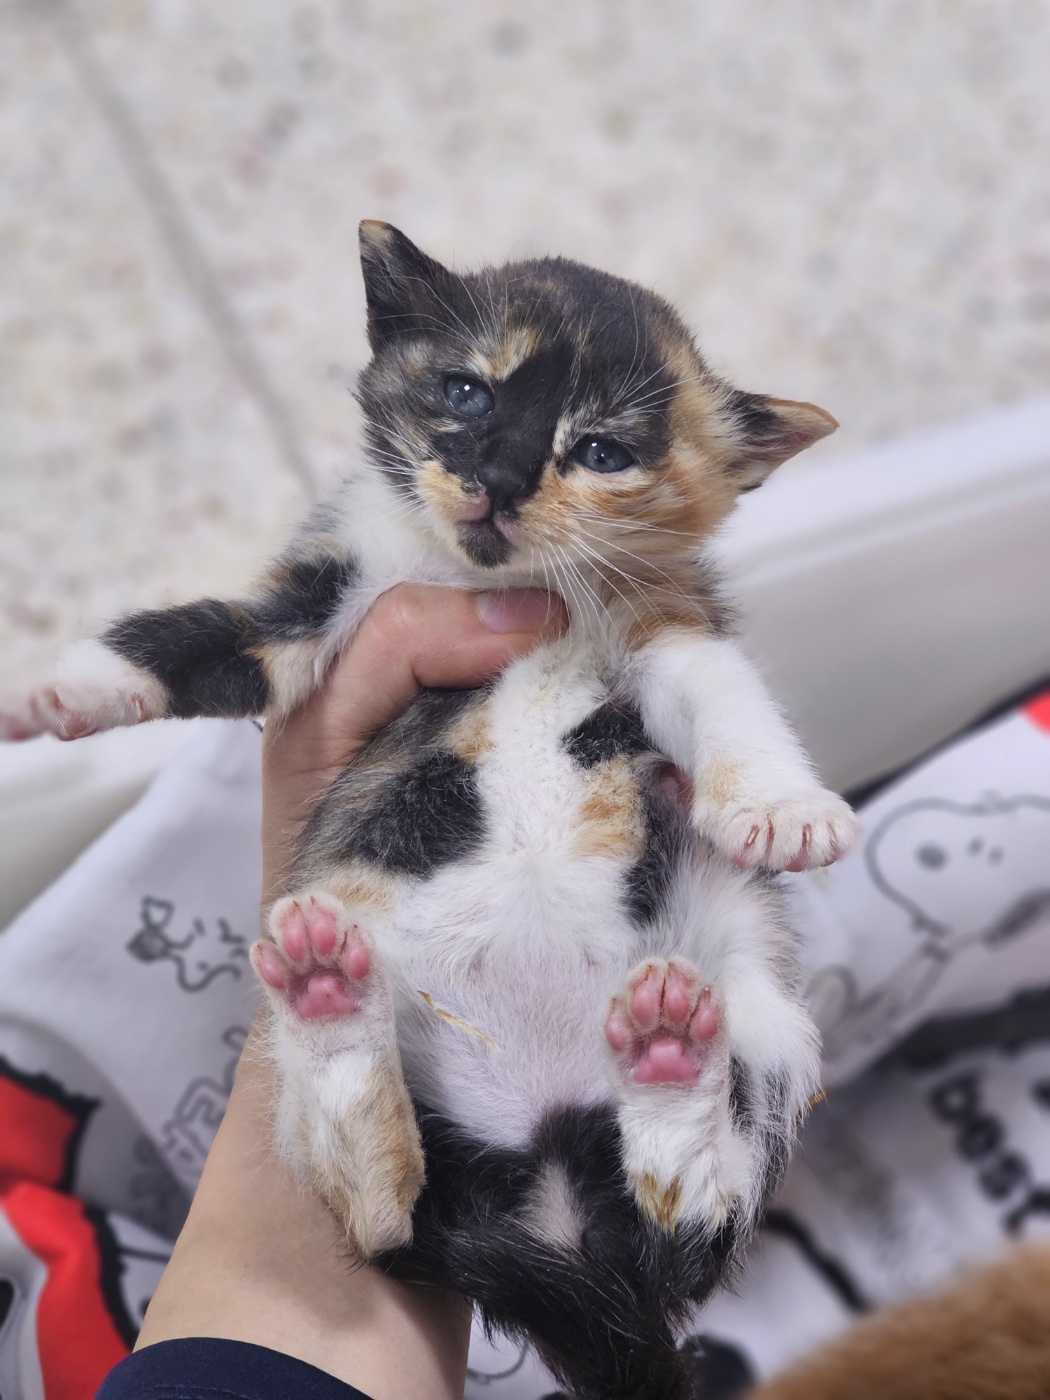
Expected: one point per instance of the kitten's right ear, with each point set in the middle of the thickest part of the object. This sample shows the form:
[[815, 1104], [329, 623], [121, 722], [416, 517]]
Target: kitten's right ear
[[768, 431], [405, 291]]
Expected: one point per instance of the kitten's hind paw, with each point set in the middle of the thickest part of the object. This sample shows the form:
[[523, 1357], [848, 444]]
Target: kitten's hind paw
[[799, 830], [659, 1028], [319, 962]]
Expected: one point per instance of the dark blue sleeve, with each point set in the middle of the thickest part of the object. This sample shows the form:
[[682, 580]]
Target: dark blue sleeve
[[210, 1368]]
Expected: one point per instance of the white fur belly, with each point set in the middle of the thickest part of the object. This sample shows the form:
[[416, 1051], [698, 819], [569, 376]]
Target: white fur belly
[[508, 961], [511, 963]]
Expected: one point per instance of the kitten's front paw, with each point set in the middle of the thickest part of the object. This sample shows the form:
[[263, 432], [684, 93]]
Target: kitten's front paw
[[26, 716], [96, 689], [800, 830]]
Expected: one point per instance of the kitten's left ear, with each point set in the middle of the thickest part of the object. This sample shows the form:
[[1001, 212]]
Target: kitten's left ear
[[768, 432], [405, 291]]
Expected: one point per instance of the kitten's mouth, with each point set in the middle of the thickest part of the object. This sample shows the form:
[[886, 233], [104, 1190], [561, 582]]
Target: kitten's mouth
[[485, 535]]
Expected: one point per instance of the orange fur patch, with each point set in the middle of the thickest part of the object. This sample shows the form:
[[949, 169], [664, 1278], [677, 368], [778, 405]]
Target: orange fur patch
[[362, 887], [662, 1204], [439, 488], [718, 782], [610, 816], [497, 358], [290, 672], [470, 736], [380, 1169]]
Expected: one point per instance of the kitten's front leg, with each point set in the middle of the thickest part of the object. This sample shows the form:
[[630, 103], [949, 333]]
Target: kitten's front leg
[[344, 1119], [754, 791], [224, 659]]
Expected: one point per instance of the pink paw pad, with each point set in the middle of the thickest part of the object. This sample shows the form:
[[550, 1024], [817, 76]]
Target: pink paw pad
[[663, 1023], [318, 960]]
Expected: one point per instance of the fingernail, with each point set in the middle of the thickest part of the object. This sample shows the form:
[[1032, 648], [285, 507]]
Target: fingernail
[[515, 610]]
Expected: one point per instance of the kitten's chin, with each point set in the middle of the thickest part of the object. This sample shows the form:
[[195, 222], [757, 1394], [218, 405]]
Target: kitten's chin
[[484, 543]]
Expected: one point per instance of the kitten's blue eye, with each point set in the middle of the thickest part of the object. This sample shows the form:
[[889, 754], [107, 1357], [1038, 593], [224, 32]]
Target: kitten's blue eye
[[468, 397], [600, 455]]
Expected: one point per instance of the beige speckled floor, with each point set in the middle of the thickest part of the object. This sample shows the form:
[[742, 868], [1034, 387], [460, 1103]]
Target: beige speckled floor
[[849, 201]]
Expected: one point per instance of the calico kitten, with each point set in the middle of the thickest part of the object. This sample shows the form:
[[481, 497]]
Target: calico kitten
[[536, 1027]]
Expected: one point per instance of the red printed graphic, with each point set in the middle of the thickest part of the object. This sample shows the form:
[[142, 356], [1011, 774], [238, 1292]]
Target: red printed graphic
[[82, 1325], [77, 1337], [1038, 710]]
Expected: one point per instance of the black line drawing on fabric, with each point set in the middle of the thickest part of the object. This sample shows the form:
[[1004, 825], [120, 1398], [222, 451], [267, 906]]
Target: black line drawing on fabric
[[201, 956], [833, 1272], [126, 1278], [964, 873], [1022, 1021], [1003, 1173], [188, 1133]]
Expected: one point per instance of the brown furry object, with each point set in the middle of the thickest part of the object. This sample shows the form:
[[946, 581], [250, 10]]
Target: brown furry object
[[986, 1338]]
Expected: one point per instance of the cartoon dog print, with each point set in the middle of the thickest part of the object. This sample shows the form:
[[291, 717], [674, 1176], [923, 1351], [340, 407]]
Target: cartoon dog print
[[968, 874], [963, 872]]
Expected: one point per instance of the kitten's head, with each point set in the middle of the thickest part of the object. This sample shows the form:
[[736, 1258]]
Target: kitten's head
[[543, 414]]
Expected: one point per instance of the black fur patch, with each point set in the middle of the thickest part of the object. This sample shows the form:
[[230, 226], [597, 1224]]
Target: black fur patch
[[406, 803], [756, 421], [648, 882], [425, 818], [484, 545], [600, 1312], [609, 732], [741, 1097], [303, 599], [708, 590], [199, 651], [205, 652]]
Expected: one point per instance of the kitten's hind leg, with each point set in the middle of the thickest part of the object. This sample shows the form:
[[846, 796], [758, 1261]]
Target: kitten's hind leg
[[344, 1118], [667, 1036], [708, 1099]]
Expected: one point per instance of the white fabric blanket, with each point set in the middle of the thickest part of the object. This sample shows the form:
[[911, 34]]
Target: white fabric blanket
[[125, 997]]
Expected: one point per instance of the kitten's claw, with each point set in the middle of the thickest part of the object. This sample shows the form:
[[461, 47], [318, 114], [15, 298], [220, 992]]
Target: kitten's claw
[[799, 831]]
